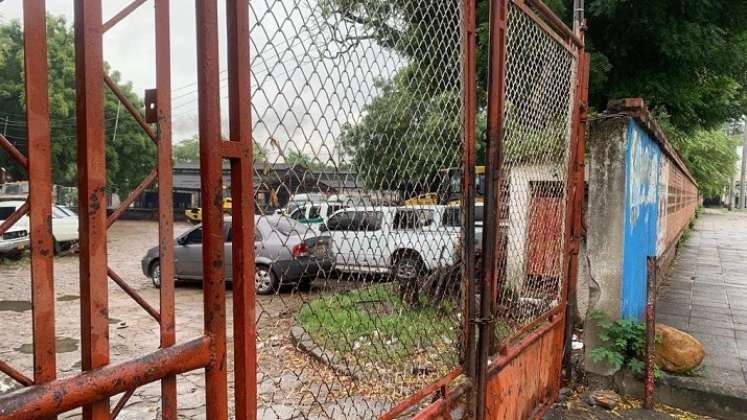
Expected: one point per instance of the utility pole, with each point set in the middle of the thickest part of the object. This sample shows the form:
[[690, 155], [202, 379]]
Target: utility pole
[[742, 183]]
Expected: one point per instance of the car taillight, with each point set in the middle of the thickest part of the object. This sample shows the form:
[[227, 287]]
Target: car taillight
[[300, 250]]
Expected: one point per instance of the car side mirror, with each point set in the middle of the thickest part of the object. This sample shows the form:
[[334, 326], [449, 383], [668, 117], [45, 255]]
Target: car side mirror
[[182, 240], [323, 227]]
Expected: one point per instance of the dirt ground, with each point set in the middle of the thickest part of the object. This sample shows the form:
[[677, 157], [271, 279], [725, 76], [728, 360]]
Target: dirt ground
[[291, 385]]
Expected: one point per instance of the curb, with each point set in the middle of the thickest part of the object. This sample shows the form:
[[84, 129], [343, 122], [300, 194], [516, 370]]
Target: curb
[[303, 342], [690, 394]]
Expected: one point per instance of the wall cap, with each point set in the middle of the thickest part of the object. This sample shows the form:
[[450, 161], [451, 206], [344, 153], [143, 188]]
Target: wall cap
[[636, 108]]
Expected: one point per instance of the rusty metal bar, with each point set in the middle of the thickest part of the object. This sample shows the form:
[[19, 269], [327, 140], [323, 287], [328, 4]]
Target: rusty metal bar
[[133, 294], [493, 180], [242, 192], [129, 107], [14, 152], [420, 395], [122, 402], [14, 217], [165, 198], [15, 374], [211, 177], [40, 190], [89, 66], [542, 23], [440, 409], [469, 161], [99, 384], [547, 316], [574, 211], [649, 390], [513, 351], [134, 194], [555, 22], [121, 15]]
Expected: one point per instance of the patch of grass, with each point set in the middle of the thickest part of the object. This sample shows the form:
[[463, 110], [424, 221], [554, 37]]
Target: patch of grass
[[372, 322]]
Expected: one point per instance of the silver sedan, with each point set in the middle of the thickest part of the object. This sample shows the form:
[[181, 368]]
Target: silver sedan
[[286, 252]]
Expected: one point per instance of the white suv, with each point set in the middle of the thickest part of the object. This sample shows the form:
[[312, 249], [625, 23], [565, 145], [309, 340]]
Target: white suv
[[16, 239], [403, 241]]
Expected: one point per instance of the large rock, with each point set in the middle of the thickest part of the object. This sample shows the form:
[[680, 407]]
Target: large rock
[[677, 351]]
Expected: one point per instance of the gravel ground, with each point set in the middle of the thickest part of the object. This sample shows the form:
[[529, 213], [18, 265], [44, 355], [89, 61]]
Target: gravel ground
[[290, 384]]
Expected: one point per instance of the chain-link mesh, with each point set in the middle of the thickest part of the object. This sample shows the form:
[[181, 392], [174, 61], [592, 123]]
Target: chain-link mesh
[[357, 112], [539, 98]]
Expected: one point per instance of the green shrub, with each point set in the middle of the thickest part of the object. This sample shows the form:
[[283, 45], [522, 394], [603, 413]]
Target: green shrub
[[624, 344]]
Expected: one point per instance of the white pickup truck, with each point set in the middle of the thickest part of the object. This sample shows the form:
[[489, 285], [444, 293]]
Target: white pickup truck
[[403, 241]]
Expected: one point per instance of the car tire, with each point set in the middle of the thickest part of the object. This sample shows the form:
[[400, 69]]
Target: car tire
[[56, 246], [304, 285], [155, 274], [265, 281]]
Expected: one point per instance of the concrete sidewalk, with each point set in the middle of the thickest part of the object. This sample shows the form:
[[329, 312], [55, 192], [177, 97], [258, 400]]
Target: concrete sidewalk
[[706, 295]]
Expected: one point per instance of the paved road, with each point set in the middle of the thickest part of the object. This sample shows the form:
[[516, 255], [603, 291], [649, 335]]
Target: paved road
[[290, 382], [706, 294]]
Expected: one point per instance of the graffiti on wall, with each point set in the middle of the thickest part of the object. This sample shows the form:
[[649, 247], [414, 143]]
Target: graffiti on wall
[[643, 164]]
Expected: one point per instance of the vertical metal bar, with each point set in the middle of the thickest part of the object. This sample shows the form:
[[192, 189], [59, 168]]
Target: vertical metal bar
[[245, 337], [649, 391], [468, 188], [574, 211], [165, 198], [40, 189], [211, 168], [89, 66], [493, 180]]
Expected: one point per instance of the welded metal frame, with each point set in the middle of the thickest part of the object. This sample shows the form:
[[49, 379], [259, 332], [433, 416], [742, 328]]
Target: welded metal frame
[[45, 396]]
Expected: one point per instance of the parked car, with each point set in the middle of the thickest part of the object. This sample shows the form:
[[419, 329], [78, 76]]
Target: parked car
[[404, 241], [314, 214], [64, 227], [15, 240], [286, 252]]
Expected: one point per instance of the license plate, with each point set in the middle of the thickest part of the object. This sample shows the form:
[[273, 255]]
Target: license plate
[[21, 247]]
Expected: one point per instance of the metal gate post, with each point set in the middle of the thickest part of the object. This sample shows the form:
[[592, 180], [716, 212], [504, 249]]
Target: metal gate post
[[40, 187], [469, 161], [493, 178], [239, 151], [165, 198], [211, 177], [574, 202], [91, 194]]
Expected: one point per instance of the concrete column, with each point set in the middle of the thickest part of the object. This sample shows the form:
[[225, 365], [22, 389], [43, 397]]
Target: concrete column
[[606, 221]]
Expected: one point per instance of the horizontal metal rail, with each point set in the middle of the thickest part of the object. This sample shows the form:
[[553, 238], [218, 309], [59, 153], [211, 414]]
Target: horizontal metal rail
[[61, 395]]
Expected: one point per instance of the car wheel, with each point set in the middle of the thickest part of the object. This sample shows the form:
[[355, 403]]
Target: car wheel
[[408, 268], [265, 281], [57, 246], [155, 274], [304, 285]]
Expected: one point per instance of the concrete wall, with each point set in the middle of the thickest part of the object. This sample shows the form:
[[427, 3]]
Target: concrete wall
[[641, 199], [643, 165]]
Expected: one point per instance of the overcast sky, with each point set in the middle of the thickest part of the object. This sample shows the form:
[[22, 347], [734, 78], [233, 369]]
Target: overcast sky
[[300, 99]]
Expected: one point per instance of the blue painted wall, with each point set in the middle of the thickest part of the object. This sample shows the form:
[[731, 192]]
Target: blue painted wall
[[643, 168]]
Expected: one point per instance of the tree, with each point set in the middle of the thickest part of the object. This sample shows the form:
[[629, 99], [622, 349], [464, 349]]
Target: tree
[[130, 154], [688, 60], [188, 150]]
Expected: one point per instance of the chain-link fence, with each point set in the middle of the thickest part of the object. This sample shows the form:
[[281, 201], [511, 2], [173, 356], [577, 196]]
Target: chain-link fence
[[358, 130], [540, 81]]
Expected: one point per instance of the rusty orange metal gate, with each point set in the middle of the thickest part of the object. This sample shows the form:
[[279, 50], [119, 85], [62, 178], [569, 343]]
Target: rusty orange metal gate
[[44, 396], [516, 314]]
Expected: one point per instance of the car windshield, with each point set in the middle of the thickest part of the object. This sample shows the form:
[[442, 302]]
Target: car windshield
[[5, 212]]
